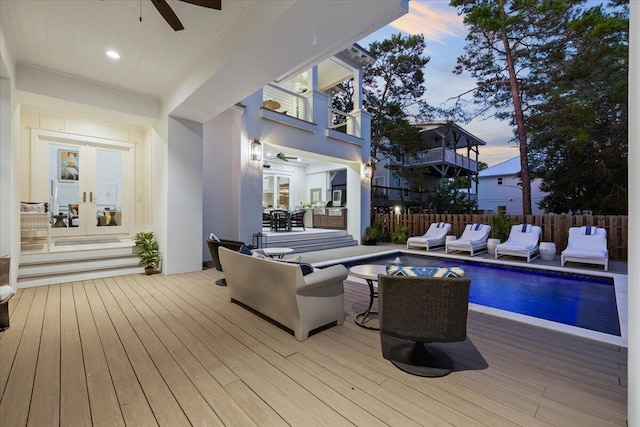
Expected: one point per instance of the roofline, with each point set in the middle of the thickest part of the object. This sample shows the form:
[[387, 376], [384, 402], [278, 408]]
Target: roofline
[[457, 127]]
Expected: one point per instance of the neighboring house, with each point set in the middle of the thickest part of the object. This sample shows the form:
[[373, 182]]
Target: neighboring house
[[500, 189], [452, 152], [163, 136]]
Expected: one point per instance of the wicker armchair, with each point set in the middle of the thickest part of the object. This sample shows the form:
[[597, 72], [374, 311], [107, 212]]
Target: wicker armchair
[[213, 250], [423, 310]]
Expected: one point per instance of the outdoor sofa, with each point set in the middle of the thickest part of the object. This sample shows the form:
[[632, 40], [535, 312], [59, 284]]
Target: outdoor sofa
[[280, 291]]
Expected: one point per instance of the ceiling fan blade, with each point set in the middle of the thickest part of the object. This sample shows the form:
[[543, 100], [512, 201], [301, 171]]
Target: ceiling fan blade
[[211, 4], [168, 14]]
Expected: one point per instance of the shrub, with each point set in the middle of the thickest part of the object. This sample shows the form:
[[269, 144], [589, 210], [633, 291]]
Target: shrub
[[372, 235], [400, 234]]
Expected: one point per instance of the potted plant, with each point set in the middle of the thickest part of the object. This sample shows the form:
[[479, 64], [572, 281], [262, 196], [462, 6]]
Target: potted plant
[[499, 230], [372, 235], [147, 251]]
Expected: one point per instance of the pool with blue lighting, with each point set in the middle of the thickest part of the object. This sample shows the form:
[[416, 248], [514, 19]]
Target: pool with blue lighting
[[579, 300]]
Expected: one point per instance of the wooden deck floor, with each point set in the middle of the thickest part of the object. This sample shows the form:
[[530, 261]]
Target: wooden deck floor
[[170, 350]]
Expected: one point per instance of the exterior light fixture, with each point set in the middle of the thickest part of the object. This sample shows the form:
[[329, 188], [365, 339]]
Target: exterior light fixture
[[367, 170], [397, 209], [256, 150], [113, 54]]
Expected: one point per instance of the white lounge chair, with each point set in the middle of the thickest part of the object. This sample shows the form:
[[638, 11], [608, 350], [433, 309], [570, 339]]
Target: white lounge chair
[[473, 239], [435, 236], [523, 242], [588, 248]]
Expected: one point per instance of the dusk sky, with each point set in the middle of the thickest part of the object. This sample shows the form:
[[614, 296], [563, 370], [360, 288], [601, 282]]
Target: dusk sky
[[444, 34]]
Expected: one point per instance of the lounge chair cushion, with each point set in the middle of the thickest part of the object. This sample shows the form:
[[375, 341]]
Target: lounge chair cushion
[[522, 241], [435, 236], [473, 239], [398, 270], [589, 248]]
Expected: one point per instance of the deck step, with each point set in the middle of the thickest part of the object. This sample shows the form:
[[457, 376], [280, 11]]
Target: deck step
[[46, 268], [309, 241]]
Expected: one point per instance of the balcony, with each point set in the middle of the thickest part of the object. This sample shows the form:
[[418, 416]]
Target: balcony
[[442, 156], [287, 102], [302, 106]]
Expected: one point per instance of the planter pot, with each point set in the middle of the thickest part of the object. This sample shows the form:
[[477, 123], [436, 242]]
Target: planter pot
[[149, 270], [491, 245]]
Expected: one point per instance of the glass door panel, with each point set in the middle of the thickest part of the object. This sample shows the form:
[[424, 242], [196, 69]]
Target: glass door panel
[[65, 188], [283, 192], [108, 195]]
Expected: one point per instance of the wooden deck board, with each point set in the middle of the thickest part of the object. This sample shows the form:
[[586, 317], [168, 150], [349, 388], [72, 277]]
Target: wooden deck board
[[45, 399], [74, 405], [171, 350]]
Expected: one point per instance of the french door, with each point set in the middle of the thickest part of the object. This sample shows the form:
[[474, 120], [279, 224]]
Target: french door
[[87, 181]]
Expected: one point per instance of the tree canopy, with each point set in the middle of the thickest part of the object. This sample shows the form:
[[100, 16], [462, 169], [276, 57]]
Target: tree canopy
[[579, 130], [393, 89], [506, 41]]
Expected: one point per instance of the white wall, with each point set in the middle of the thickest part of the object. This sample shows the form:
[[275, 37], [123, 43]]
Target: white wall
[[6, 167], [315, 180], [183, 252], [219, 135], [509, 194], [62, 86], [634, 214], [9, 183]]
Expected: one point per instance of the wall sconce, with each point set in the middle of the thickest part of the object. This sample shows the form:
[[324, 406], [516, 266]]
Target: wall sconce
[[367, 170], [256, 150]]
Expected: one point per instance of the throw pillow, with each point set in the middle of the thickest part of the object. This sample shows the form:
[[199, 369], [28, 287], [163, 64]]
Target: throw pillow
[[32, 207], [245, 250], [305, 267], [398, 270]]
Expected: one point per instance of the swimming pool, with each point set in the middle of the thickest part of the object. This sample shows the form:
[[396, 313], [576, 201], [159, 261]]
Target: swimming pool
[[579, 300]]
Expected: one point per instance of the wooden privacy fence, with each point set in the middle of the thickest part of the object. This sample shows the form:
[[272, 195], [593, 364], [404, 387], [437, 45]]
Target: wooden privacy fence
[[555, 228]]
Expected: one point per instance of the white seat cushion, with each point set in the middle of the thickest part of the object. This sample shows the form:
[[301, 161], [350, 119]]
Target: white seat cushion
[[5, 292]]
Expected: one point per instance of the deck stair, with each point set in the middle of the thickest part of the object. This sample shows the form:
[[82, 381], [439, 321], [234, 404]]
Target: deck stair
[[80, 263], [309, 240]]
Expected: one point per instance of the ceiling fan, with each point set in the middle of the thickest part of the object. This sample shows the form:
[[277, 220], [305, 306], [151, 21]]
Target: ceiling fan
[[172, 19], [281, 156]]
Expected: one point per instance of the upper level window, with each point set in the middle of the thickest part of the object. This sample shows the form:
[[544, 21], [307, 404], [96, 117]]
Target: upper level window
[[499, 181]]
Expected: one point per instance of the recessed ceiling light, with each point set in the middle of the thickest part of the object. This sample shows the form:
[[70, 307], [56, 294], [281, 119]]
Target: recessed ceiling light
[[113, 54]]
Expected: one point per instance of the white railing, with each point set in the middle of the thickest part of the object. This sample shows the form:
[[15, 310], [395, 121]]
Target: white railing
[[442, 155], [290, 103], [341, 121]]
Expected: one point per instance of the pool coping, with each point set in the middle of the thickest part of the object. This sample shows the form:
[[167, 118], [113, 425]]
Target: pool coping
[[620, 282]]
